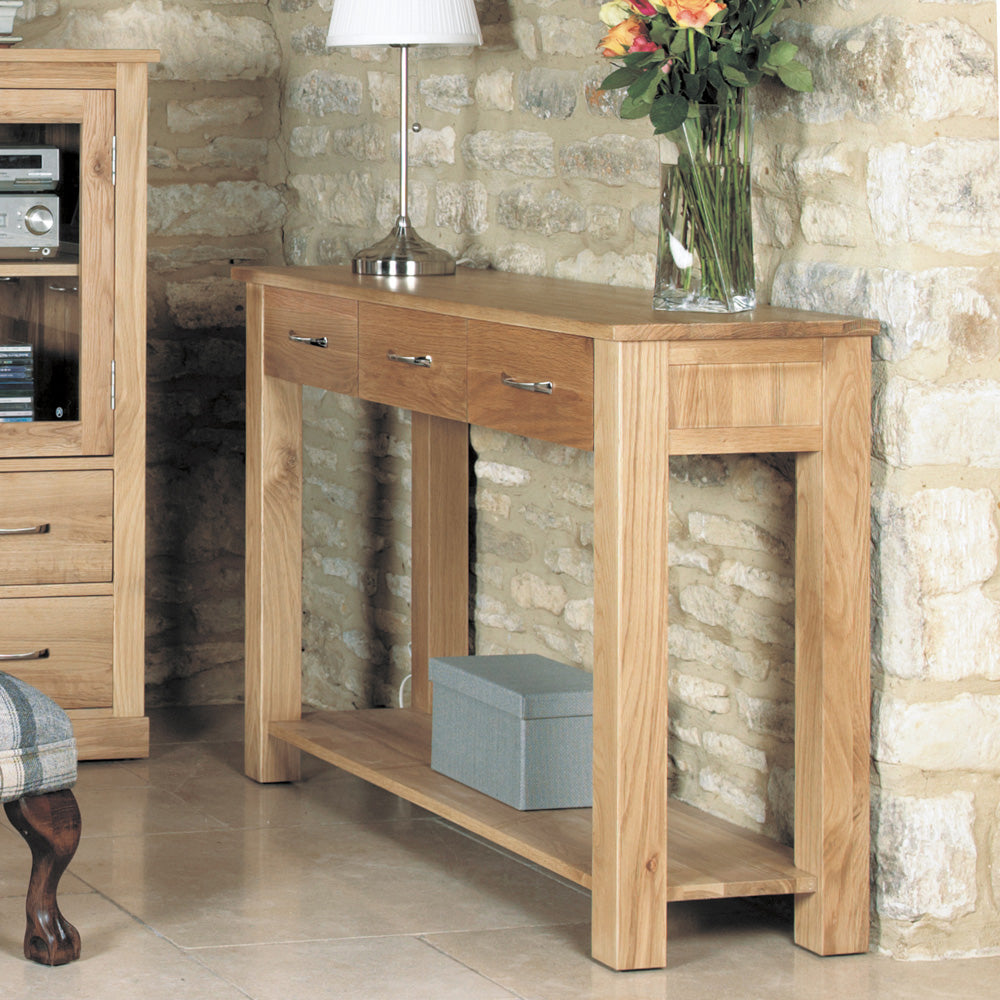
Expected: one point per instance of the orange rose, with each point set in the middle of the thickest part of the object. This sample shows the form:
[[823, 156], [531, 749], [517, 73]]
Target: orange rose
[[692, 13], [621, 38]]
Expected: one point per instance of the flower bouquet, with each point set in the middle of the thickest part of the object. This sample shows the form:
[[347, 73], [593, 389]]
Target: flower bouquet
[[687, 65]]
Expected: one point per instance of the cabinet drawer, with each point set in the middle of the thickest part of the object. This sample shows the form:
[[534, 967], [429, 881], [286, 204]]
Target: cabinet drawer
[[413, 359], [55, 527], [311, 339], [507, 362], [61, 645]]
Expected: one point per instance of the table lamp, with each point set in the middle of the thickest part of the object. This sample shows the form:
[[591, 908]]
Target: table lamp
[[403, 23]]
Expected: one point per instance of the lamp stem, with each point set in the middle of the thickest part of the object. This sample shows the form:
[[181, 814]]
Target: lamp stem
[[403, 101], [403, 252]]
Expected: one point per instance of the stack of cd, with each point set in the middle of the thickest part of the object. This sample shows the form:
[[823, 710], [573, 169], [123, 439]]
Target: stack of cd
[[17, 384]]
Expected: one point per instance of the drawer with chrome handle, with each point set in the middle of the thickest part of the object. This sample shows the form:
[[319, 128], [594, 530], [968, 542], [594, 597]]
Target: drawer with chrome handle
[[412, 359], [56, 527], [311, 339], [532, 382], [61, 645]]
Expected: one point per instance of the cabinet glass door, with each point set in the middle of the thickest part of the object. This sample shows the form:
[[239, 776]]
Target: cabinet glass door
[[56, 273]]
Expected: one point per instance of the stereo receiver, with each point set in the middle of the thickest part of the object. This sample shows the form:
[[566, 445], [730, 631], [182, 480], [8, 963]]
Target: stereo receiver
[[29, 225], [29, 168]]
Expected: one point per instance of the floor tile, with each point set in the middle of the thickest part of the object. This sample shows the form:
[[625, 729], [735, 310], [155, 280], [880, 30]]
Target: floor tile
[[357, 969], [209, 778], [120, 959], [350, 880], [735, 949]]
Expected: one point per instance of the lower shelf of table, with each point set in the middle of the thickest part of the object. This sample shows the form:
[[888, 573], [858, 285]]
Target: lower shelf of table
[[707, 858]]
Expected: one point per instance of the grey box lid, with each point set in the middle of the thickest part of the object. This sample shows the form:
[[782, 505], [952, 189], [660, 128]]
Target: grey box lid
[[525, 685]]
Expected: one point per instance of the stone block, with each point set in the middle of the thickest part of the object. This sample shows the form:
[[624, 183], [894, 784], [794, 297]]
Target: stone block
[[569, 36], [206, 302], [309, 140], [696, 647], [229, 208], [960, 734], [547, 93], [529, 154], [942, 195], [732, 793], [195, 45], [365, 143], [495, 91], [614, 160], [628, 270], [934, 316], [917, 423], [767, 716], [697, 692], [552, 212], [320, 92], [212, 114], [448, 93], [887, 67], [926, 856]]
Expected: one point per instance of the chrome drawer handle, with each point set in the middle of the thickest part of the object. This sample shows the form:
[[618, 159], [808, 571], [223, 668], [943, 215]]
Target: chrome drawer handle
[[545, 387], [420, 360], [35, 529], [38, 654], [311, 341]]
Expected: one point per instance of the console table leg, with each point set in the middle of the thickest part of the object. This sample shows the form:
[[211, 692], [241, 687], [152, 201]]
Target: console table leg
[[273, 647], [439, 611], [832, 691], [631, 478]]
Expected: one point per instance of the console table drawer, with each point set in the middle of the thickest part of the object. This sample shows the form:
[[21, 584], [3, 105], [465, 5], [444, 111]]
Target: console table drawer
[[413, 359], [312, 339], [56, 527], [61, 645], [532, 382]]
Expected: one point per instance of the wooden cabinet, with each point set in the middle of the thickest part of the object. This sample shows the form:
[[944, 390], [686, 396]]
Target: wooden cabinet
[[72, 386], [635, 386]]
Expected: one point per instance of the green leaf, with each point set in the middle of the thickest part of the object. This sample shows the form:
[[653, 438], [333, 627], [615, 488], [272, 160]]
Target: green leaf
[[735, 76], [621, 77], [633, 107], [780, 54], [644, 88], [679, 43], [694, 86], [796, 76], [668, 112]]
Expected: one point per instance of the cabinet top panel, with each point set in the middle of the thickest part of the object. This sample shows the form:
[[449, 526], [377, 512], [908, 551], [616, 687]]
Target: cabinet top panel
[[79, 55]]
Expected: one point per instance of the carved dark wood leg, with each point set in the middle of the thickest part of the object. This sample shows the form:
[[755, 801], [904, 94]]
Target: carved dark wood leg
[[51, 825]]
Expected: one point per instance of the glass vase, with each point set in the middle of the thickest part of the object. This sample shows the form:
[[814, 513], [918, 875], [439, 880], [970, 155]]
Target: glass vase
[[704, 260]]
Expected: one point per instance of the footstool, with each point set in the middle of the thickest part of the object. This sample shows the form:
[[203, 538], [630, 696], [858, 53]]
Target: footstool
[[37, 770]]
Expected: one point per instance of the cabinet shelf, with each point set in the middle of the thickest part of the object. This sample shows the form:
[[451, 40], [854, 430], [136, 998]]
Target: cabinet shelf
[[707, 858], [61, 267]]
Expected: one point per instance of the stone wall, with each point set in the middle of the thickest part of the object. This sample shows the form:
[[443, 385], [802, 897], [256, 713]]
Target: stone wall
[[877, 195], [214, 199]]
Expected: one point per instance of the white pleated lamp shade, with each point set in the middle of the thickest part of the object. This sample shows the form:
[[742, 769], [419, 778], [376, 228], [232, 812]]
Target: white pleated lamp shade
[[404, 22]]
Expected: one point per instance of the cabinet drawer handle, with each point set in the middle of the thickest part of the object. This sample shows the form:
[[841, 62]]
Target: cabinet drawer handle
[[311, 341], [545, 387], [420, 360], [38, 654], [35, 529]]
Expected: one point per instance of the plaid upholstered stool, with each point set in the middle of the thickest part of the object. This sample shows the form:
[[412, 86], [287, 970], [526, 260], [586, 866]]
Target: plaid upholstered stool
[[37, 770]]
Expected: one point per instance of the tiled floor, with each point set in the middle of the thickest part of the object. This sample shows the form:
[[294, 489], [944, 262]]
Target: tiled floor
[[193, 883]]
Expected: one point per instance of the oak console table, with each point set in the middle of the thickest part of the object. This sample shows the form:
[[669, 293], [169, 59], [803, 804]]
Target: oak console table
[[592, 367]]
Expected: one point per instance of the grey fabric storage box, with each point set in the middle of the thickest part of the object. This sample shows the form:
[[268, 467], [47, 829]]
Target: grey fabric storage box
[[518, 728]]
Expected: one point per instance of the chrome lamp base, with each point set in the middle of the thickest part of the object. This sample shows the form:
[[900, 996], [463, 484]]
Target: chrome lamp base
[[403, 253]]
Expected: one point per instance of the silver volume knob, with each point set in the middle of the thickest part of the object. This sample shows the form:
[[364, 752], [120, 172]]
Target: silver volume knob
[[38, 220]]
